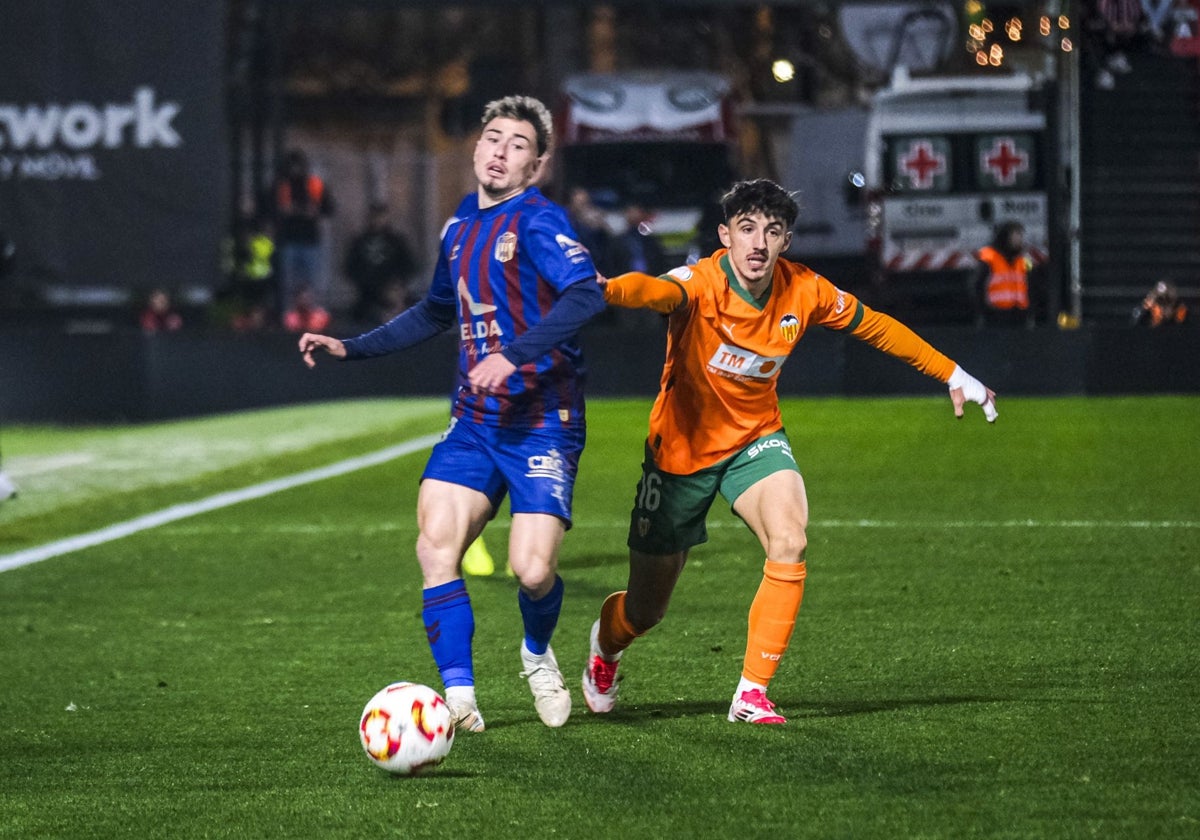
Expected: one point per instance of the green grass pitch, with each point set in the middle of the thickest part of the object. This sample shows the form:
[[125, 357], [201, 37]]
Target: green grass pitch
[[999, 637]]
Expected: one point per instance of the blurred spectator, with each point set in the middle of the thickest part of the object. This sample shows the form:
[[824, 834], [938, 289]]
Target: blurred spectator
[[636, 249], [589, 223], [1110, 28], [381, 265], [158, 314], [299, 200], [1001, 292], [251, 291], [1161, 306], [306, 314]]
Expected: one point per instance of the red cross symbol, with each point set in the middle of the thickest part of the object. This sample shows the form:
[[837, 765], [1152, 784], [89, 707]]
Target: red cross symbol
[[1005, 161], [922, 163]]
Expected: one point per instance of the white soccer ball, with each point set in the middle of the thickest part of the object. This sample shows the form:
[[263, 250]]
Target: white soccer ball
[[405, 728]]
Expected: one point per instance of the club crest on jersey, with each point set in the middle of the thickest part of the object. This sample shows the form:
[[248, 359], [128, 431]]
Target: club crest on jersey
[[506, 246], [789, 325]]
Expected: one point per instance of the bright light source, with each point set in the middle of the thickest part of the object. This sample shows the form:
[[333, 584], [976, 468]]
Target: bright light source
[[783, 70], [1044, 25], [1064, 22], [1067, 46], [1013, 29]]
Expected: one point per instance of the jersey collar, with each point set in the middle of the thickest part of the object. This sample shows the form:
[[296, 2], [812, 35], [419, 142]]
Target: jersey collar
[[759, 303]]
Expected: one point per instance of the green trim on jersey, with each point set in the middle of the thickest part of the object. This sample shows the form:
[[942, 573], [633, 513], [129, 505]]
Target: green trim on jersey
[[859, 313], [679, 285], [758, 303]]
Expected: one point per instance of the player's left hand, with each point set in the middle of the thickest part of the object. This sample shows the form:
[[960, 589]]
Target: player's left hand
[[490, 374], [966, 388]]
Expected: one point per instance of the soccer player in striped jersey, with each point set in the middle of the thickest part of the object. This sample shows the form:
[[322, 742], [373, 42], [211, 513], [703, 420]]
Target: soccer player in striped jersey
[[716, 427], [513, 279]]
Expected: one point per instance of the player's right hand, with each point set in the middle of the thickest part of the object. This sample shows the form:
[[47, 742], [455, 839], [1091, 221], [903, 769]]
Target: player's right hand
[[966, 388], [312, 341]]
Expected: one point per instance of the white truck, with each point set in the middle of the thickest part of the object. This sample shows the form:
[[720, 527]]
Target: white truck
[[661, 140], [948, 159]]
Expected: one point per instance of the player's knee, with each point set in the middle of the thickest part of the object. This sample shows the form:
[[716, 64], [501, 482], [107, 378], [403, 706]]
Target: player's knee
[[438, 558], [787, 546], [644, 617], [535, 575]]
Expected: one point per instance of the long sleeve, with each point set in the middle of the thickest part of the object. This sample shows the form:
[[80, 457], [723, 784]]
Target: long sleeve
[[579, 303], [412, 326], [885, 333], [636, 290]]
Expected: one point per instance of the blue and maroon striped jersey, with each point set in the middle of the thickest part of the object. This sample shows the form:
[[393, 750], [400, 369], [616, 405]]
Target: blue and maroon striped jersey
[[504, 267]]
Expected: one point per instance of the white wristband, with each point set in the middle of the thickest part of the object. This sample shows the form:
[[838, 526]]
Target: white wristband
[[973, 391]]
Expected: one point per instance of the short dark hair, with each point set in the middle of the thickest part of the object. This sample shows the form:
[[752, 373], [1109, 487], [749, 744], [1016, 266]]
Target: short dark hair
[[524, 108], [760, 196]]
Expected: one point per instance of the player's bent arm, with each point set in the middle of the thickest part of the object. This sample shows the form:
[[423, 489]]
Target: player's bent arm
[[578, 304], [636, 290], [412, 326]]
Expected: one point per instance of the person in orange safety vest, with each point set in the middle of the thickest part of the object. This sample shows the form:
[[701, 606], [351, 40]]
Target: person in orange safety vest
[[300, 199], [1002, 294]]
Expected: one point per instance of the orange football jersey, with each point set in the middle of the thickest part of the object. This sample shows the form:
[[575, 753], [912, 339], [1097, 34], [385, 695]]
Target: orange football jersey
[[725, 351]]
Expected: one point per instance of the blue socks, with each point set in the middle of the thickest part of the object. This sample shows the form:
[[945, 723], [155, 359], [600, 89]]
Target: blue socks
[[450, 626], [541, 616]]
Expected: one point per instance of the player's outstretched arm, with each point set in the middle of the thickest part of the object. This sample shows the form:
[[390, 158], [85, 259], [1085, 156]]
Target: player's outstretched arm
[[966, 388], [635, 290], [310, 342]]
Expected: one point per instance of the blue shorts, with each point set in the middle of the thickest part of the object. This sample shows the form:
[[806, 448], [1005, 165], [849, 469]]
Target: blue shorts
[[535, 467]]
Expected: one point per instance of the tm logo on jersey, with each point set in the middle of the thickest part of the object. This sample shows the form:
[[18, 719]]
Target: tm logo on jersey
[[736, 363]]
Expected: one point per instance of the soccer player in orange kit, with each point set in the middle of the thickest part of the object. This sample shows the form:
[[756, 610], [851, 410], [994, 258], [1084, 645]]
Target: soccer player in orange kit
[[716, 428]]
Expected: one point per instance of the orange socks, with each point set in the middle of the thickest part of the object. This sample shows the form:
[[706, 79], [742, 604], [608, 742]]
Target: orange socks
[[616, 633], [772, 617]]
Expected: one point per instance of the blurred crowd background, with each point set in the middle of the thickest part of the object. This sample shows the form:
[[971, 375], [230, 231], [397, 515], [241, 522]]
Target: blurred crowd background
[[259, 165]]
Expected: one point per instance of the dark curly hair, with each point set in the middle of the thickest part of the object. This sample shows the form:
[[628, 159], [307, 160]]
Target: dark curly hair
[[760, 196]]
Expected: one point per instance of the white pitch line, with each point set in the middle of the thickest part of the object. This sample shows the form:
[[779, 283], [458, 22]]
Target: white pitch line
[[220, 500]]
